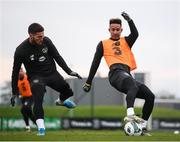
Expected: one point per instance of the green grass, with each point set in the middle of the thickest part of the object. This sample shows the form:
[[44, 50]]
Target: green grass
[[86, 135], [85, 111]]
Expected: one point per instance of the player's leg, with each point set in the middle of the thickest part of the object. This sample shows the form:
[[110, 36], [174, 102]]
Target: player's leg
[[25, 115], [146, 94], [58, 83], [124, 82], [130, 87], [38, 90], [29, 109]]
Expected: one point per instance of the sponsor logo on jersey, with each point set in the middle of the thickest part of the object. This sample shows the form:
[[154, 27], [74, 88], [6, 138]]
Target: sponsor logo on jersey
[[36, 81], [32, 57], [42, 58]]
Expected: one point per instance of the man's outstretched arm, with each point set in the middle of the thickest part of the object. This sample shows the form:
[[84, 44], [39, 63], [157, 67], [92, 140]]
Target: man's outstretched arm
[[131, 38], [94, 66]]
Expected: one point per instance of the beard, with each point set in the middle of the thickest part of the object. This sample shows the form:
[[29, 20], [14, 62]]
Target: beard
[[34, 42]]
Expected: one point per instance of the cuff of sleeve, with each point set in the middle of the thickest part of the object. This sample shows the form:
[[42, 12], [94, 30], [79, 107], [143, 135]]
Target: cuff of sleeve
[[87, 84]]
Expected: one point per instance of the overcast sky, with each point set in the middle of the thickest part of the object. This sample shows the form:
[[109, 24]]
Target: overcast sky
[[76, 27]]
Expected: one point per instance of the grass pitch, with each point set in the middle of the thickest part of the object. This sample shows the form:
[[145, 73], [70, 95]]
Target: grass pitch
[[86, 135], [85, 111]]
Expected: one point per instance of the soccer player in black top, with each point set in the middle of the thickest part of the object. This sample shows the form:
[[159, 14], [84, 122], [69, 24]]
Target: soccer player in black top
[[38, 54], [118, 55]]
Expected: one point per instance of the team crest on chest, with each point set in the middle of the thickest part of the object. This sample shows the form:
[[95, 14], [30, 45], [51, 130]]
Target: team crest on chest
[[117, 43], [45, 50]]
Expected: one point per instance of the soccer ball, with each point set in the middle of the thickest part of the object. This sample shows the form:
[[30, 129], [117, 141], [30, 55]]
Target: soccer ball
[[133, 128]]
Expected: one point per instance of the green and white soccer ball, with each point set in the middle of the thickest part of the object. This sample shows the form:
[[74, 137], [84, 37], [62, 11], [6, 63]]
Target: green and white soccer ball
[[133, 128]]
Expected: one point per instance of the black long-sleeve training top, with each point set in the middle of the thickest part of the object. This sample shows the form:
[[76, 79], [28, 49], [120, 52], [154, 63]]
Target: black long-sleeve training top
[[130, 39], [38, 60]]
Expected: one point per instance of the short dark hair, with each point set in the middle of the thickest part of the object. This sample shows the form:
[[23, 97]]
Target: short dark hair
[[34, 28], [115, 21]]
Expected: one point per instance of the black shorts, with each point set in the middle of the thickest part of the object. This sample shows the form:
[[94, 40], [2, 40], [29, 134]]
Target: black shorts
[[54, 81], [117, 79]]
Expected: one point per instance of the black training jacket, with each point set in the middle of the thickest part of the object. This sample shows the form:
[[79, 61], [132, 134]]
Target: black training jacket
[[38, 60]]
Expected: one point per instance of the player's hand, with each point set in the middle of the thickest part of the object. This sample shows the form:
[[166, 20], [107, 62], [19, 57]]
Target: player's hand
[[75, 74], [13, 100], [87, 87], [126, 16]]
